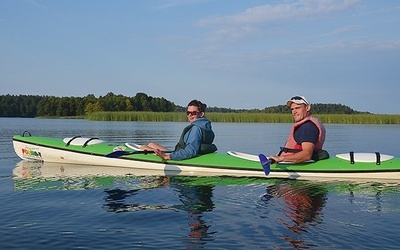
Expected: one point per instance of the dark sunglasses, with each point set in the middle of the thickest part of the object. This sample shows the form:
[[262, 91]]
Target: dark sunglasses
[[299, 98], [192, 112]]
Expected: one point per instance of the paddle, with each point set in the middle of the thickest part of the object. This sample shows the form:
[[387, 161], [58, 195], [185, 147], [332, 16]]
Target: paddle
[[265, 163], [119, 153]]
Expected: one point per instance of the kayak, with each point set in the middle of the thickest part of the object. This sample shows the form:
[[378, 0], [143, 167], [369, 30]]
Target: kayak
[[96, 152]]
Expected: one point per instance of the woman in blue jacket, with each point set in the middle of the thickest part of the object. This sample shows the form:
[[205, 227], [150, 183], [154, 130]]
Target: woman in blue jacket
[[196, 139]]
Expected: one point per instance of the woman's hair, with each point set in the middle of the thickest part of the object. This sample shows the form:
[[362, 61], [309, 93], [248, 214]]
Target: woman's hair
[[201, 106]]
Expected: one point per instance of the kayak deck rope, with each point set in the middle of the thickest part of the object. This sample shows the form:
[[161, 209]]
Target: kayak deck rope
[[378, 158], [86, 142], [27, 132], [83, 144], [73, 138]]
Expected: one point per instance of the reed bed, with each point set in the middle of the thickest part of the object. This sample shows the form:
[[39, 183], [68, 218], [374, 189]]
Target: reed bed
[[359, 119], [138, 116], [243, 117]]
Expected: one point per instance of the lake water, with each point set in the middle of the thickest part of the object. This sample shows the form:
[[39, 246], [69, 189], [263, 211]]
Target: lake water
[[128, 212]]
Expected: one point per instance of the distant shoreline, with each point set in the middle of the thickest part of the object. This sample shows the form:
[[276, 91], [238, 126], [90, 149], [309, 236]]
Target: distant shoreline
[[243, 117]]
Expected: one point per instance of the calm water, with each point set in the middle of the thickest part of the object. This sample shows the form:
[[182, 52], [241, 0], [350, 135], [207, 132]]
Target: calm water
[[41, 207]]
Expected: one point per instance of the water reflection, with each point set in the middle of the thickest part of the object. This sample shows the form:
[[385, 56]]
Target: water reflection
[[301, 204], [298, 205], [195, 200], [294, 210], [125, 190], [375, 202]]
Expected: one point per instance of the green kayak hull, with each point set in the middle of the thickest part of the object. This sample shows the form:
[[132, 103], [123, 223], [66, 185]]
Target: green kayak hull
[[97, 153]]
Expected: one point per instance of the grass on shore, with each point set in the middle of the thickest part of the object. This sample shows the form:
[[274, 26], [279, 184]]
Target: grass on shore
[[243, 117]]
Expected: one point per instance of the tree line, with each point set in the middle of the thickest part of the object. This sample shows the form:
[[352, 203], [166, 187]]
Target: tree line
[[52, 106], [318, 108]]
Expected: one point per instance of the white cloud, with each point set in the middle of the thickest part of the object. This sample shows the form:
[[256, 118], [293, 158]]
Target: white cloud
[[276, 21], [343, 30], [279, 12]]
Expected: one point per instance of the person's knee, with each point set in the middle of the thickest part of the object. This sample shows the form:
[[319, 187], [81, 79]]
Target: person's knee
[[153, 145]]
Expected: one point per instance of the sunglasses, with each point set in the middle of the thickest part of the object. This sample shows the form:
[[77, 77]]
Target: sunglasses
[[298, 98], [192, 112]]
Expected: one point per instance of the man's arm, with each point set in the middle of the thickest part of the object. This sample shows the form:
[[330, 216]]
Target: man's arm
[[303, 155]]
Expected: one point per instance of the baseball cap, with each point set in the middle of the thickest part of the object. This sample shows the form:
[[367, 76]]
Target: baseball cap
[[298, 100]]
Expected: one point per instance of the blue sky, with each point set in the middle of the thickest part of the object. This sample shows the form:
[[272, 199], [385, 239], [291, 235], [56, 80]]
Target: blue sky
[[227, 53]]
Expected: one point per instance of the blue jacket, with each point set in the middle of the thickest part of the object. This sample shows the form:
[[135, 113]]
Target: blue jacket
[[193, 139]]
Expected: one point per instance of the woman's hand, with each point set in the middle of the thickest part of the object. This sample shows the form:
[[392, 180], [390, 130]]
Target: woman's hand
[[161, 154]]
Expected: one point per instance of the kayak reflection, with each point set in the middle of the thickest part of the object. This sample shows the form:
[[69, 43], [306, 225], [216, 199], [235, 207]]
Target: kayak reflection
[[115, 200], [294, 209], [125, 190], [195, 200]]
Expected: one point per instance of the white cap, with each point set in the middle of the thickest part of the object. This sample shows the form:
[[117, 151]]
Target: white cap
[[298, 100]]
